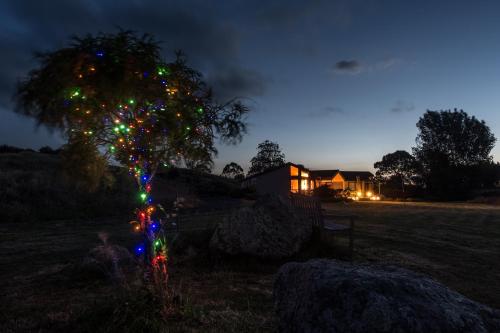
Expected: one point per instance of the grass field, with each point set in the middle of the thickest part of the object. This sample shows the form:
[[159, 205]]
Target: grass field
[[457, 244]]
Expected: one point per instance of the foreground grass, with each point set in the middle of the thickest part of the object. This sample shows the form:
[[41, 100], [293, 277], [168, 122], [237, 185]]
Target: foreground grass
[[43, 291], [458, 245]]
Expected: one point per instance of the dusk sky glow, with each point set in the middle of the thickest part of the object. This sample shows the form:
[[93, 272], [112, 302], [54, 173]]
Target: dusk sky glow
[[337, 84]]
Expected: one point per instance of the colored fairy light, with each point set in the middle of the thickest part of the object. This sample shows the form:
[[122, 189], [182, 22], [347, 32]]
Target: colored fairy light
[[162, 71], [135, 132], [139, 249]]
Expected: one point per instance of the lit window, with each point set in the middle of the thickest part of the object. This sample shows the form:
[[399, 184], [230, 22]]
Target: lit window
[[304, 184], [294, 171], [294, 185], [304, 174]]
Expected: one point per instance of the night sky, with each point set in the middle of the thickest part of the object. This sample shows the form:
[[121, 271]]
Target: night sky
[[337, 84]]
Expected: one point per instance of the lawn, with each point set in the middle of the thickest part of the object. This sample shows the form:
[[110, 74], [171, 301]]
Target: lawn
[[457, 244]]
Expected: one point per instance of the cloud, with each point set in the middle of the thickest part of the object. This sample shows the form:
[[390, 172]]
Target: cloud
[[28, 26], [355, 67], [348, 66], [325, 112], [237, 82], [402, 106]]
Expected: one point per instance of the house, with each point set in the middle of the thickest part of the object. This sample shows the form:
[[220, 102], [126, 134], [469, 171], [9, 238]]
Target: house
[[359, 183], [295, 178]]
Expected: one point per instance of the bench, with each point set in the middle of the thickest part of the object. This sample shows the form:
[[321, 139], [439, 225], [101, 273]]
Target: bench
[[309, 209]]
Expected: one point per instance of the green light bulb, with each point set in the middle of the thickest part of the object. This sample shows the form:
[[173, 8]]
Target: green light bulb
[[144, 196]]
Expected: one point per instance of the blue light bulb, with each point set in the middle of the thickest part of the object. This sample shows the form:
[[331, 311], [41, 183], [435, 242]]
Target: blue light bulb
[[139, 249]]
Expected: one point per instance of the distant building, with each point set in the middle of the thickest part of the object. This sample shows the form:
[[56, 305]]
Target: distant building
[[295, 178], [357, 181], [282, 180]]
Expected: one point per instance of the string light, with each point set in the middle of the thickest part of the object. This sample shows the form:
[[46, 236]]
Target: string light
[[134, 126]]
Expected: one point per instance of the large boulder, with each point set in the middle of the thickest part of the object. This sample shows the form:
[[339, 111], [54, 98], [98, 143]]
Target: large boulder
[[330, 296], [269, 229]]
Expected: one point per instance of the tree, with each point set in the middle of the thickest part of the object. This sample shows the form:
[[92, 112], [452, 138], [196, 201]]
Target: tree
[[268, 156], [114, 93], [48, 150], [233, 170], [450, 145], [400, 165]]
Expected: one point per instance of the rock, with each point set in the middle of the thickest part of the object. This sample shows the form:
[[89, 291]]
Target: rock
[[330, 296], [108, 261], [268, 229]]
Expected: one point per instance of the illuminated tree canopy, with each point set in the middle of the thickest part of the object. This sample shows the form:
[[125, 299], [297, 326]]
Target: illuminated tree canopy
[[113, 92]]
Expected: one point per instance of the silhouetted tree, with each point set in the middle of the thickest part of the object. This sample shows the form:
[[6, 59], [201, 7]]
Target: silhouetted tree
[[49, 150], [114, 93], [400, 166], [450, 146], [268, 156], [233, 170]]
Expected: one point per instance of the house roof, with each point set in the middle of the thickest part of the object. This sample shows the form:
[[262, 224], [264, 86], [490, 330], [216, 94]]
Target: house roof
[[347, 175], [353, 175], [286, 165], [324, 173]]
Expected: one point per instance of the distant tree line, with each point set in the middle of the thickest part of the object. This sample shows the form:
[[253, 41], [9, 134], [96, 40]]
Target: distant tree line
[[451, 159], [6, 149]]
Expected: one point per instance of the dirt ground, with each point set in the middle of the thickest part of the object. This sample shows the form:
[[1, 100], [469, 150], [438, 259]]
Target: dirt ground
[[457, 244]]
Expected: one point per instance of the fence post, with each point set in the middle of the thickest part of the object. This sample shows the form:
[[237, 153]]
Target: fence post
[[351, 237]]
